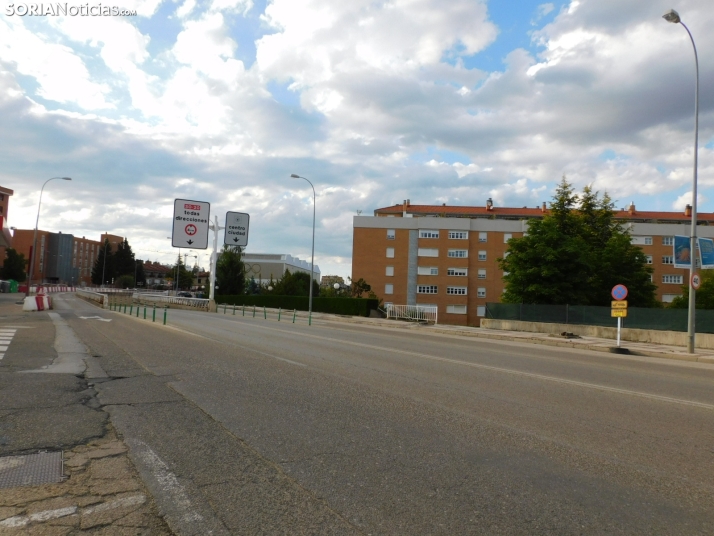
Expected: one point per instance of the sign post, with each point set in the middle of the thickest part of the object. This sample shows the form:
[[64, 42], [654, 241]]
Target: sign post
[[619, 307], [214, 260]]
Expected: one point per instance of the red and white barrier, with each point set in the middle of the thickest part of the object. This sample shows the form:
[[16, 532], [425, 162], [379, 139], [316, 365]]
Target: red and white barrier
[[37, 303]]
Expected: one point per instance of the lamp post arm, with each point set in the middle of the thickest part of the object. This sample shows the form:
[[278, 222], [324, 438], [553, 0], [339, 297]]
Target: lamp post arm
[[34, 238]]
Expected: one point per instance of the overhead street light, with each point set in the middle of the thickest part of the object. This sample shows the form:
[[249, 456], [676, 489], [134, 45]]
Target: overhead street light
[[312, 260], [673, 17], [34, 237]]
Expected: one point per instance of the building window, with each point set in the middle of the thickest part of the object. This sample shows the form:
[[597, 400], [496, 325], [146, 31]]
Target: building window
[[390, 271], [481, 310], [427, 252], [481, 292], [459, 235], [457, 271], [456, 309], [482, 273], [648, 241], [427, 270], [507, 237], [458, 253], [482, 255], [641, 240], [672, 279], [667, 259], [667, 241], [390, 253], [482, 237], [389, 289], [390, 234], [427, 289], [428, 233], [669, 298], [456, 291], [649, 259]]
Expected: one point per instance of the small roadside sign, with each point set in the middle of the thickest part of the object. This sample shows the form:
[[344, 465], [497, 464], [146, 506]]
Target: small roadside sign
[[619, 292], [696, 281], [237, 224], [190, 224], [618, 313], [619, 304]]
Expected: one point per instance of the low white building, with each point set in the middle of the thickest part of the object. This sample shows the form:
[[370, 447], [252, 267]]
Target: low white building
[[264, 266]]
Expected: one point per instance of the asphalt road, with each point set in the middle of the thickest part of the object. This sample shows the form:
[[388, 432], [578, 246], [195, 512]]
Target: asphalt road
[[248, 426]]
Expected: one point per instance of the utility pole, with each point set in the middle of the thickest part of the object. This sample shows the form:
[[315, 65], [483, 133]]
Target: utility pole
[[214, 258]]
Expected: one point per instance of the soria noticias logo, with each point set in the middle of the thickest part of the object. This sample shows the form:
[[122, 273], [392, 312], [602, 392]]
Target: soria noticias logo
[[68, 10]]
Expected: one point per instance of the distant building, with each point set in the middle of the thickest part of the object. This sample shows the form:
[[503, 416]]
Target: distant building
[[157, 274], [446, 256], [328, 281], [264, 266], [5, 234]]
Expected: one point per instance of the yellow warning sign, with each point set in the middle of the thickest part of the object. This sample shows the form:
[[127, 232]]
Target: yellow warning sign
[[621, 313], [619, 304]]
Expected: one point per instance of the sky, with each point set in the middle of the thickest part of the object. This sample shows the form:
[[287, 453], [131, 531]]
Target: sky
[[374, 101]]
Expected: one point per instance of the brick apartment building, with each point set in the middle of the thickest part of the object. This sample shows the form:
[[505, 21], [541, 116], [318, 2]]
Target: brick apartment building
[[446, 256]]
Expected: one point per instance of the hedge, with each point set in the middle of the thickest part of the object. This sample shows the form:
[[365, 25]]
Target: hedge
[[338, 306]]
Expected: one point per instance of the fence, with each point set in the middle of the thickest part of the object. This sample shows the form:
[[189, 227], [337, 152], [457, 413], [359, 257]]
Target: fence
[[419, 313], [637, 317], [198, 304]]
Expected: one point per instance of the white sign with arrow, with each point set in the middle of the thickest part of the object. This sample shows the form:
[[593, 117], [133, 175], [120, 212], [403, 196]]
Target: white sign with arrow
[[237, 224], [191, 220]]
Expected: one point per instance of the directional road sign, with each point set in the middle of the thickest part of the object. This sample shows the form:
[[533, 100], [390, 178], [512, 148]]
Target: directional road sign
[[190, 224], [621, 313], [237, 224], [619, 292]]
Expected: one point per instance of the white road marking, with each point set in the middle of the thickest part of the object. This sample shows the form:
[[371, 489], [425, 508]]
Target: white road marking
[[46, 515], [650, 396], [96, 318]]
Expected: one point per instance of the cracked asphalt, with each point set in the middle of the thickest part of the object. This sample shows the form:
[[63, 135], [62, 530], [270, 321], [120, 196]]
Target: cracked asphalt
[[249, 426]]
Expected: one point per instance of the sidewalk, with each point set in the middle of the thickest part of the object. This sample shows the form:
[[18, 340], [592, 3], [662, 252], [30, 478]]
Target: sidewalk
[[702, 355], [63, 470]]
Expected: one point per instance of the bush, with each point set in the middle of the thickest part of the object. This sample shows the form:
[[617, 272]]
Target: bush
[[338, 306]]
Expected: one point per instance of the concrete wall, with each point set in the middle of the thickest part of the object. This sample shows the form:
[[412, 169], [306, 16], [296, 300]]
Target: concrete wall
[[672, 338]]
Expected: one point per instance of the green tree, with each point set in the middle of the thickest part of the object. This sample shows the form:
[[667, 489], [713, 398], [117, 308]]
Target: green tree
[[13, 266], [185, 277], [124, 262], [575, 255], [297, 284], [103, 265], [230, 271], [705, 294], [359, 287], [124, 281]]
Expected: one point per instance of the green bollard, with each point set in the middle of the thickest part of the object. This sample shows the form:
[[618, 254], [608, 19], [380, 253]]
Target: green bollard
[[294, 313], [125, 308], [144, 312], [265, 315], [224, 308], [234, 309], [153, 315], [254, 311], [279, 311], [131, 309], [138, 306], [309, 319], [165, 309], [244, 309]]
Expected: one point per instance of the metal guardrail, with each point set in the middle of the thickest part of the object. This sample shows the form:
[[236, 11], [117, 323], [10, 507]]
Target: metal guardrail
[[200, 304], [417, 313]]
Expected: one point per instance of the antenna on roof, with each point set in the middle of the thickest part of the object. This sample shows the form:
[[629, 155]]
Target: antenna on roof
[[359, 212]]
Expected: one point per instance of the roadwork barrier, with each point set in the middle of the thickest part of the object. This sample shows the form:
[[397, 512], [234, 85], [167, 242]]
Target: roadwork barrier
[[37, 303]]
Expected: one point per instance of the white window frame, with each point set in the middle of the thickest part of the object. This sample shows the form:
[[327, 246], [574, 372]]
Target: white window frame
[[481, 292], [667, 259], [483, 236], [482, 255], [648, 241], [481, 310], [457, 272], [390, 253], [458, 253], [507, 237], [456, 309], [458, 235], [427, 289], [457, 291], [391, 234], [481, 273], [428, 233], [672, 279], [427, 252], [649, 259], [667, 241], [389, 272], [389, 288], [427, 270]]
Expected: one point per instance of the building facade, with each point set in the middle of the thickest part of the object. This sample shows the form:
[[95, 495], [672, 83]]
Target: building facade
[[447, 256], [5, 234], [266, 266]]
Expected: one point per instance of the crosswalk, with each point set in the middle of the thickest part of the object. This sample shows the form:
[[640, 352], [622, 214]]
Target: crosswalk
[[6, 335]]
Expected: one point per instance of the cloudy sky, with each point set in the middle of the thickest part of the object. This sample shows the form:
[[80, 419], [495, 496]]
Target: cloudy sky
[[375, 101]]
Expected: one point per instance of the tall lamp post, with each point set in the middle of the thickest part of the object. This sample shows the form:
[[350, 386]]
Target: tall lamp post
[[673, 16], [34, 237], [312, 260]]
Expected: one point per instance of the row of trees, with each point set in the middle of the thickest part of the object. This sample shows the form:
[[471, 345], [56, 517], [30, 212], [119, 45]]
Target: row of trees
[[13, 266], [119, 267]]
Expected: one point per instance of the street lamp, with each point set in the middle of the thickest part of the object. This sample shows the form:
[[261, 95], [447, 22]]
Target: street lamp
[[312, 261], [673, 16], [34, 237]]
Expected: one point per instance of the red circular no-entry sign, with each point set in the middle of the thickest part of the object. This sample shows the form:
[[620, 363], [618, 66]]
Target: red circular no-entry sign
[[191, 229]]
